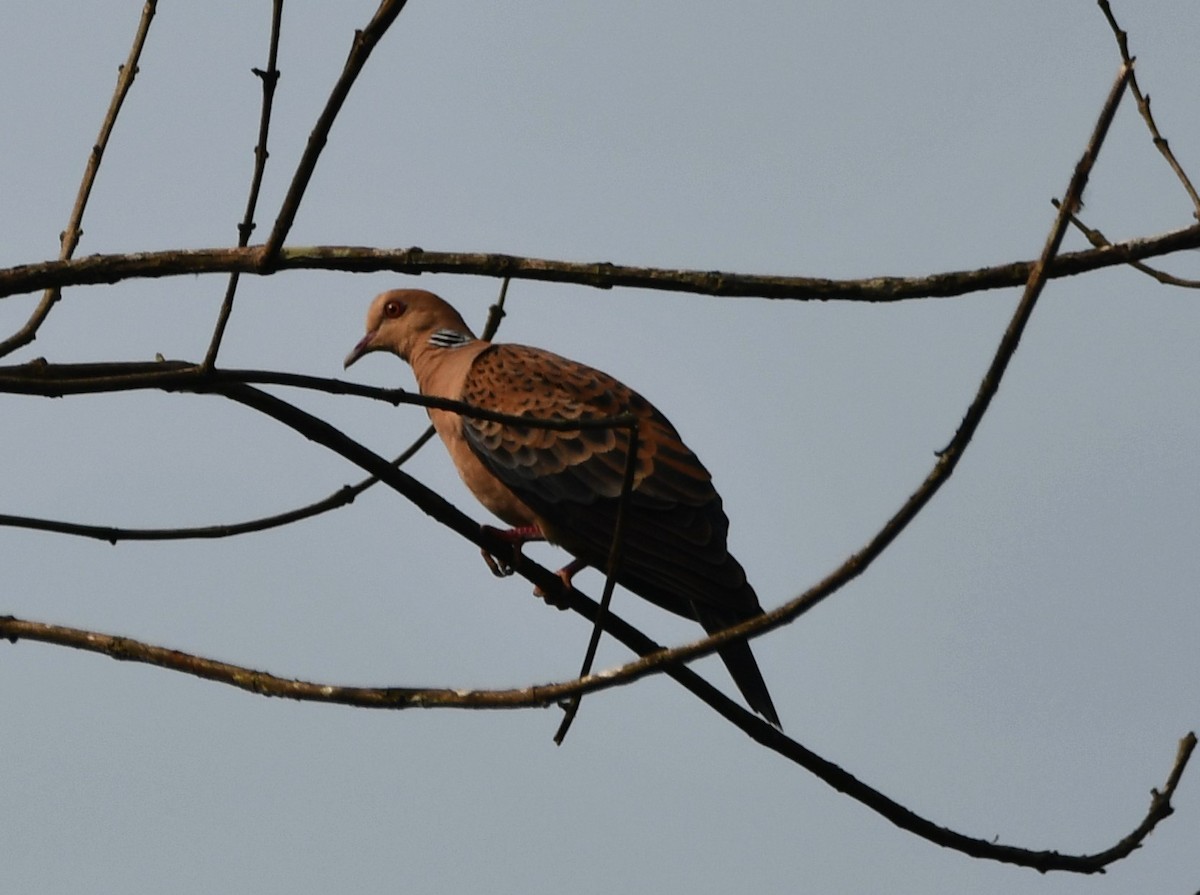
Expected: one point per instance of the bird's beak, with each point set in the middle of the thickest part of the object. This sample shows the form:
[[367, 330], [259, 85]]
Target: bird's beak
[[364, 346]]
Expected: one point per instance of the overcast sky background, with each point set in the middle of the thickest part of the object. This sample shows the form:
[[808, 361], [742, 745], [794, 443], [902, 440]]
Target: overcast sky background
[[1019, 665]]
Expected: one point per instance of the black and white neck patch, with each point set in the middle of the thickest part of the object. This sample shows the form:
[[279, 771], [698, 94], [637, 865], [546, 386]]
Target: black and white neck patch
[[449, 338]]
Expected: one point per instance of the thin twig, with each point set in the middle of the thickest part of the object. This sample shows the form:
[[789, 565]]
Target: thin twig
[[496, 313], [1096, 238], [610, 580], [343, 496], [70, 236], [364, 42], [269, 79], [1143, 104]]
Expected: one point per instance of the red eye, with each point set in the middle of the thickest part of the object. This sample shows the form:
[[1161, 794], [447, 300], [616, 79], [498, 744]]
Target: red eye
[[393, 308]]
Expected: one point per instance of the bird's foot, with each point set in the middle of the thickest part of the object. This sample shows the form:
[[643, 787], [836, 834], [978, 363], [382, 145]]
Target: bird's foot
[[515, 537], [565, 574]]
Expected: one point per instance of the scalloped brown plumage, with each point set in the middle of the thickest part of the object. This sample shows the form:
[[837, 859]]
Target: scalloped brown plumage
[[565, 485]]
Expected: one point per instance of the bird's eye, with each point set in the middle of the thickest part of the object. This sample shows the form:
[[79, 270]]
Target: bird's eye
[[393, 308]]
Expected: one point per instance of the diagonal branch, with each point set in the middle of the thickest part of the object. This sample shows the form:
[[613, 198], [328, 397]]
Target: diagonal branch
[[1097, 238], [364, 42], [1143, 104], [71, 235]]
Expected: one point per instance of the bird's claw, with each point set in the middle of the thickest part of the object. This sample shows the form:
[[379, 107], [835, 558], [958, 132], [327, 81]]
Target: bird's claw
[[558, 601], [499, 568], [565, 574], [514, 537]]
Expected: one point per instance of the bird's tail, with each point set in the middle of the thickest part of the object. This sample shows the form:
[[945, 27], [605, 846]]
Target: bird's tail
[[742, 666]]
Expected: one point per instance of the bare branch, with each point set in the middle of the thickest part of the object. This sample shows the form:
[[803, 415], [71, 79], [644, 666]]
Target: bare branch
[[1143, 104], [760, 730], [344, 496], [127, 649], [59, 380], [269, 79], [1096, 238], [71, 235], [364, 42], [610, 579], [94, 269]]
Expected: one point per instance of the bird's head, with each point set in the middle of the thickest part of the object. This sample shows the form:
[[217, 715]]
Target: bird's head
[[403, 320]]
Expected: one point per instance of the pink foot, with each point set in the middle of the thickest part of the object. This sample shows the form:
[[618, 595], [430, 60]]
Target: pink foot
[[514, 536], [566, 573]]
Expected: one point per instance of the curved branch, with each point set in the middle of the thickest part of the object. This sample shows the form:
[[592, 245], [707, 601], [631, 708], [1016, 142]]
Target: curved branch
[[262, 683], [343, 496], [394, 697]]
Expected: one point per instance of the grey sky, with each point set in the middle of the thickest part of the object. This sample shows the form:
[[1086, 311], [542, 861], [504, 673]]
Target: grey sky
[[1019, 665]]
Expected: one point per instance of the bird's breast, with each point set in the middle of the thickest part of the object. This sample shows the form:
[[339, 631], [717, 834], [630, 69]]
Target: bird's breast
[[488, 490]]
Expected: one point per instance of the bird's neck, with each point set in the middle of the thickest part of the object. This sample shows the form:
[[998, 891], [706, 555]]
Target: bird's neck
[[450, 338], [441, 361]]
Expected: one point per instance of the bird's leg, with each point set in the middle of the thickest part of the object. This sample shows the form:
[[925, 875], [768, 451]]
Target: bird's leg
[[566, 573], [516, 537], [570, 570]]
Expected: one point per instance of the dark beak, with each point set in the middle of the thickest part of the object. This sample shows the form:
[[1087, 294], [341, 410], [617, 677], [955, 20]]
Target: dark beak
[[363, 347]]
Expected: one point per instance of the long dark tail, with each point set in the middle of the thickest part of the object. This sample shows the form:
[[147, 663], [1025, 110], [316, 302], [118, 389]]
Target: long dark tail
[[742, 666]]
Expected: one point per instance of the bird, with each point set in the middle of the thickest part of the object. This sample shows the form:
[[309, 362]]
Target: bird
[[565, 486]]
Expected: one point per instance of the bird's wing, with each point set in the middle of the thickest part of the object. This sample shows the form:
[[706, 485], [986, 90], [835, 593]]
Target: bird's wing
[[674, 552]]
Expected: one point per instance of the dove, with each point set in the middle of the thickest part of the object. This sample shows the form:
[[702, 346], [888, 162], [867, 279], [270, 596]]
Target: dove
[[565, 486]]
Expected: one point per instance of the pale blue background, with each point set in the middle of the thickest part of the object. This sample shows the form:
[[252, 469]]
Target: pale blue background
[[1019, 665]]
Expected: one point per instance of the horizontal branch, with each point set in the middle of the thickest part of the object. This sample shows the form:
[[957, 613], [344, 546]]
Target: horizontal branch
[[93, 269]]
